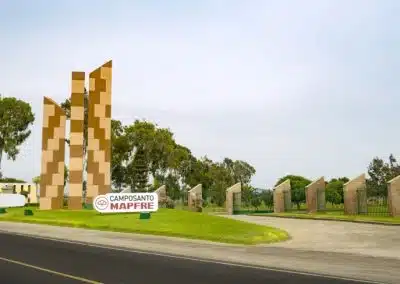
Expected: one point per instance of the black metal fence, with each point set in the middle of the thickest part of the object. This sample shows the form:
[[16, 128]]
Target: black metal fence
[[371, 204]]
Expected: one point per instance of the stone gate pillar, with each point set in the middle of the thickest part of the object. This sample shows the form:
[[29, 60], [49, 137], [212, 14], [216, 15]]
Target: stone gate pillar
[[355, 202], [394, 196], [315, 195], [195, 197], [237, 188], [161, 193], [282, 196]]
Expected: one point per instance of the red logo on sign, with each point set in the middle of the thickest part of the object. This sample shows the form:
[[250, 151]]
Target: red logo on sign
[[101, 203]]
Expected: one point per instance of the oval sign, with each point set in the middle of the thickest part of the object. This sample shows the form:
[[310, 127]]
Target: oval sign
[[11, 200], [126, 202]]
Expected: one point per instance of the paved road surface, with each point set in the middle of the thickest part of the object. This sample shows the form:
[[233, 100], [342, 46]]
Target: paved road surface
[[330, 236], [31, 260]]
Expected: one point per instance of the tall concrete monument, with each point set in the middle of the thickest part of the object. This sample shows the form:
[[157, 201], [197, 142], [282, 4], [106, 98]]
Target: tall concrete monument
[[98, 148], [76, 140], [53, 155], [99, 132]]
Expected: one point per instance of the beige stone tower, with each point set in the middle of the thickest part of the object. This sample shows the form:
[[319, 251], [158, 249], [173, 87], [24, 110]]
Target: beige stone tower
[[76, 140], [99, 132], [53, 151]]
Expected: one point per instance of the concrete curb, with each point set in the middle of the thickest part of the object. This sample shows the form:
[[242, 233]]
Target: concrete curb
[[328, 219]]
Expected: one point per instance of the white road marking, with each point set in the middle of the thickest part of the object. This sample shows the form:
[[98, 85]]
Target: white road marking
[[84, 280]]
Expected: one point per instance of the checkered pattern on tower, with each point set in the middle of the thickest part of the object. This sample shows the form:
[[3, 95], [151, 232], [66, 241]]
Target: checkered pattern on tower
[[76, 140], [99, 132], [53, 150]]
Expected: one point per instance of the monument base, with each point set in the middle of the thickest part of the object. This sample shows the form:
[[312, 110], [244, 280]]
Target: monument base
[[50, 203], [75, 202]]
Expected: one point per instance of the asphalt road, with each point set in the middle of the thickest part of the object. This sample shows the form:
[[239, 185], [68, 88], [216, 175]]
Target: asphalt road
[[39, 261]]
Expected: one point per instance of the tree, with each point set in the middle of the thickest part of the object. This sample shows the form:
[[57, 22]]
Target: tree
[[267, 196], [144, 147], [15, 118], [171, 181], [241, 171], [255, 198], [334, 191], [36, 181], [298, 185], [218, 178], [380, 172], [11, 180], [139, 172], [247, 196], [157, 144], [66, 174], [120, 153], [394, 166]]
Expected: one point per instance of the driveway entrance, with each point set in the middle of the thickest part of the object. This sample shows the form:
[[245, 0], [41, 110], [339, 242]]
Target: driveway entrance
[[333, 236]]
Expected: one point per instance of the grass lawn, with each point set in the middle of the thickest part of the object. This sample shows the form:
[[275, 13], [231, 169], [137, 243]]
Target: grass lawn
[[167, 222], [334, 215]]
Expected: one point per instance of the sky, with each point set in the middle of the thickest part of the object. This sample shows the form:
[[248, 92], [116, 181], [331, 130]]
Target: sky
[[306, 87]]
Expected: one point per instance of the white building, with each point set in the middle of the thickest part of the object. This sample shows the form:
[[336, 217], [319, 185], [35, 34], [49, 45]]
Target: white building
[[27, 189]]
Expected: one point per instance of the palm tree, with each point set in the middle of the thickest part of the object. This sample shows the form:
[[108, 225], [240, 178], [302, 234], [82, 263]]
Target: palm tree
[[36, 181]]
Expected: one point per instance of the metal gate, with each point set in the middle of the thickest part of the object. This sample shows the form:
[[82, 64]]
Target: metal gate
[[321, 203], [362, 201], [373, 201]]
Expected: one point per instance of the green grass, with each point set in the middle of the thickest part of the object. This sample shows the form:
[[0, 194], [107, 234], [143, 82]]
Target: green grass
[[167, 222], [334, 215], [208, 209]]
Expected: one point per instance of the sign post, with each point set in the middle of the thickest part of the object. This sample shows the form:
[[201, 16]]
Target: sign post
[[126, 202]]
